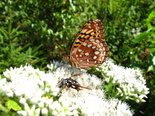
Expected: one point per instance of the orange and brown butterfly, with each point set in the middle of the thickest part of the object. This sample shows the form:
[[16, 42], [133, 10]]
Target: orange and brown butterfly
[[89, 48]]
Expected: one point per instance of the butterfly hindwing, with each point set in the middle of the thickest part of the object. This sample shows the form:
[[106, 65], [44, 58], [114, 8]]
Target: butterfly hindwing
[[89, 48]]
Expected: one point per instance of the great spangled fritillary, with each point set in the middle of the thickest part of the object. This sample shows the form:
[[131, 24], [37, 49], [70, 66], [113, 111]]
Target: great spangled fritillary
[[89, 48]]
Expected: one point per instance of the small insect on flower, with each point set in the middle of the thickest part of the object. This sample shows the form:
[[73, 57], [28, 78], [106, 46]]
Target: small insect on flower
[[89, 48], [71, 83]]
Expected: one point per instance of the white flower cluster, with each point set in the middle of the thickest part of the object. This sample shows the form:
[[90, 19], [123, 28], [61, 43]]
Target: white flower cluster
[[130, 82], [38, 93], [135, 31]]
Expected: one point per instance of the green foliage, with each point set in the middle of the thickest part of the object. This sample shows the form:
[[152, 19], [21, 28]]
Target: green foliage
[[149, 34], [5, 108], [150, 21], [12, 53], [37, 32], [12, 105], [110, 89], [122, 24]]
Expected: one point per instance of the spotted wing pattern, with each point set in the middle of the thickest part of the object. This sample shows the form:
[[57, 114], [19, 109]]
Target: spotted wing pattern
[[89, 48]]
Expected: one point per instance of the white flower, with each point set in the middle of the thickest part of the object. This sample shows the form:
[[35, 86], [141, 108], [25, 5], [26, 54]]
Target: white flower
[[5, 86], [44, 111], [135, 31], [29, 111], [40, 94], [130, 82], [91, 104], [91, 101]]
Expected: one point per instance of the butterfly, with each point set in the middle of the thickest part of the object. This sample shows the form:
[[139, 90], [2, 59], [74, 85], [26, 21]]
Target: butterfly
[[89, 48]]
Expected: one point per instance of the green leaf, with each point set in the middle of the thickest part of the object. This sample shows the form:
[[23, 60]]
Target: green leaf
[[2, 108], [140, 37], [12, 105], [150, 18]]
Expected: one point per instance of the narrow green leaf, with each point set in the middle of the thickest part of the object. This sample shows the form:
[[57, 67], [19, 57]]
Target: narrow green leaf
[[140, 37]]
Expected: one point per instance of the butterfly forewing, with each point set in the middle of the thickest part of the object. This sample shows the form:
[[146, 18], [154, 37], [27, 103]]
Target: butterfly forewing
[[89, 48]]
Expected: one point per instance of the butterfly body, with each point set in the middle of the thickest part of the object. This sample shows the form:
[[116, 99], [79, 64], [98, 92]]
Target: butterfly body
[[89, 48]]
